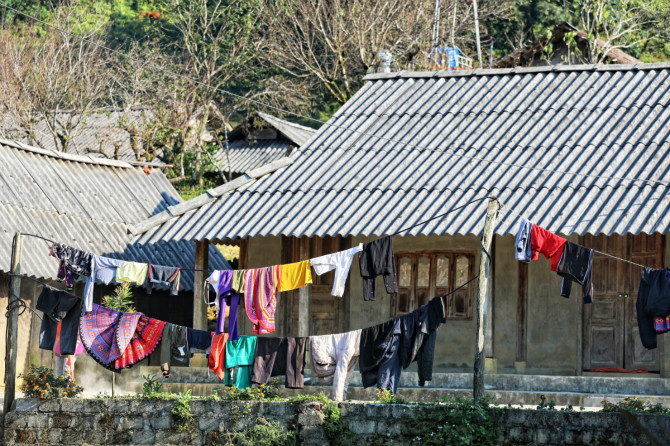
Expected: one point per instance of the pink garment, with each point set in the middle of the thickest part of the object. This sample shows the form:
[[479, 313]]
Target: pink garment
[[260, 297]]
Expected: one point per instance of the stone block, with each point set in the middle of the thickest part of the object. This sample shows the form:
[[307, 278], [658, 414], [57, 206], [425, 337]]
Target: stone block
[[37, 421], [62, 420], [362, 426], [55, 436], [143, 436], [122, 437], [208, 422], [542, 436], [93, 406], [118, 405], [160, 421], [516, 434], [22, 436], [49, 405], [169, 437], [72, 405], [16, 420], [378, 410], [126, 422], [312, 436], [26, 404], [310, 418]]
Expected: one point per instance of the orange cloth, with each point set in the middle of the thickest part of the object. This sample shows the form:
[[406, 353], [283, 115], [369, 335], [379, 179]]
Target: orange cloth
[[295, 275], [217, 355]]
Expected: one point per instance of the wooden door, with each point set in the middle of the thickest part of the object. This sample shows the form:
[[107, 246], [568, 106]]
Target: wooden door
[[604, 318], [326, 312], [645, 250], [611, 337]]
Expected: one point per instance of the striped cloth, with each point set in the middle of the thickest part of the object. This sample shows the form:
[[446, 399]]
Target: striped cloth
[[260, 297]]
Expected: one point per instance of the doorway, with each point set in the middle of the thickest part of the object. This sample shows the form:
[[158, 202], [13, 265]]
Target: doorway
[[611, 336]]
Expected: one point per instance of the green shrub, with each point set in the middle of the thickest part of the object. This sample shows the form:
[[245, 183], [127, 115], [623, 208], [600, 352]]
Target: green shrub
[[460, 421]]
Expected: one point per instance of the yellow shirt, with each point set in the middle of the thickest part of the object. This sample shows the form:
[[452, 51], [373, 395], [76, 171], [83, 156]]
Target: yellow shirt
[[295, 275], [132, 272]]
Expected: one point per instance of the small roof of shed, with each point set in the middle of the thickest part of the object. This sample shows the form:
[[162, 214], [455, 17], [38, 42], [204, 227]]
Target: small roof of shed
[[248, 152], [87, 203], [577, 149]]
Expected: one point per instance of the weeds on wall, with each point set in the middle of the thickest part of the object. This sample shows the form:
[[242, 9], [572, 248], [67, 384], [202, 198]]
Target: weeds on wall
[[181, 412], [41, 382], [462, 421]]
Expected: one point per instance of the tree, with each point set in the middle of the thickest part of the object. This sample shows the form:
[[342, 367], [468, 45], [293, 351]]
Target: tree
[[610, 24], [332, 43], [52, 79]]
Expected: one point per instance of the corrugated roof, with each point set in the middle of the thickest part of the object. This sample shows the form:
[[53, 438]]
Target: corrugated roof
[[410, 146], [297, 133], [100, 134], [246, 154], [86, 202]]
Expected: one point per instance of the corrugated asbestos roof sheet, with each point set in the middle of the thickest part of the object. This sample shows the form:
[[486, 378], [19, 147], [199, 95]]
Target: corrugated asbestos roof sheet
[[552, 144], [245, 155], [87, 203], [297, 133]]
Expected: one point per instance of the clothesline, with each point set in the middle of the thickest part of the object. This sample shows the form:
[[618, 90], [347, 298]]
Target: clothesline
[[594, 250]]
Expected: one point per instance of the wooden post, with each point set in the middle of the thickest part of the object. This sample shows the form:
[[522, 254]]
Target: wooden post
[[199, 307], [304, 310], [12, 327], [482, 293]]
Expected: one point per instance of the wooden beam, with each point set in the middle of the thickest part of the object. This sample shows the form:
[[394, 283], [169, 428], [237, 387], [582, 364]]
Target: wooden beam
[[482, 293], [304, 293], [12, 326], [522, 312], [199, 306]]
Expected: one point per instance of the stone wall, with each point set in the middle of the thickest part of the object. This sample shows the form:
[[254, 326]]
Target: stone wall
[[137, 421]]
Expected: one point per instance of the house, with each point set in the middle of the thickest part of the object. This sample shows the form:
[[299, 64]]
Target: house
[[88, 203], [259, 140], [582, 150], [101, 133], [553, 50]]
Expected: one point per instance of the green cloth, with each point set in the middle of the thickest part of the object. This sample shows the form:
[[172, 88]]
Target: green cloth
[[238, 281], [240, 354]]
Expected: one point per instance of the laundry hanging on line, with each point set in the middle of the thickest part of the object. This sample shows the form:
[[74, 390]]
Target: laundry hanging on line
[[569, 260]]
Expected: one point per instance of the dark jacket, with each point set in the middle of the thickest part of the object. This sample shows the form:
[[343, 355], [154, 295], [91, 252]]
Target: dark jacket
[[59, 306], [653, 300], [377, 259], [575, 266], [379, 360], [277, 357]]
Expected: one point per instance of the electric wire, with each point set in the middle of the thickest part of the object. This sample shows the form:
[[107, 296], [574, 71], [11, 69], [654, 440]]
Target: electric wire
[[276, 108]]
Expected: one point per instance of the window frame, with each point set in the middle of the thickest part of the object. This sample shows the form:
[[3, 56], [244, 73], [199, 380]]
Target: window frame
[[433, 290]]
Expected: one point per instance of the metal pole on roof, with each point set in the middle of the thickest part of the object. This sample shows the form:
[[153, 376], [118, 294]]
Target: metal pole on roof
[[482, 295], [479, 47]]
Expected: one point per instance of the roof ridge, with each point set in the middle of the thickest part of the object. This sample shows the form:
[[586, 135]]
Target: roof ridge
[[517, 70], [266, 116], [65, 156], [211, 195]]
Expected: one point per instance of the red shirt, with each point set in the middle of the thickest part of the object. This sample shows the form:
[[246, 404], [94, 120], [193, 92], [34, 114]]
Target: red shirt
[[547, 243]]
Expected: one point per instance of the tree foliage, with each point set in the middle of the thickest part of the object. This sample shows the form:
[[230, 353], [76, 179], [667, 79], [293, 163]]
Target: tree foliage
[[305, 56]]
